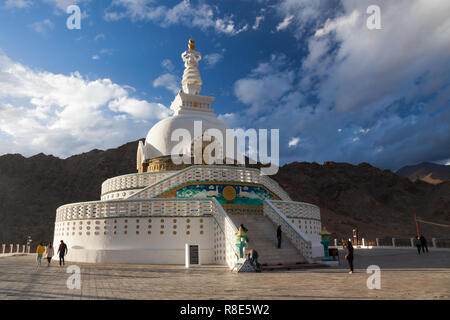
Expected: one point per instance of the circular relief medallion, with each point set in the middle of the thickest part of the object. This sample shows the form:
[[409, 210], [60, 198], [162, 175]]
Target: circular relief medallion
[[229, 193]]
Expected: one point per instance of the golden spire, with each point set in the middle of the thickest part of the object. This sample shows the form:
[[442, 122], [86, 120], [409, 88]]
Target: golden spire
[[191, 44], [324, 231]]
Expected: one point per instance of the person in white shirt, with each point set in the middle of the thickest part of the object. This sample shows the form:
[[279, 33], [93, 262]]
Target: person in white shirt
[[50, 252]]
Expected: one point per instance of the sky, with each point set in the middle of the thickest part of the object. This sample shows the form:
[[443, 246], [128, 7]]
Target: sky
[[337, 89]]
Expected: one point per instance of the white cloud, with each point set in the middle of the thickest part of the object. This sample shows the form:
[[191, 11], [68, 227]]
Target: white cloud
[[63, 4], [285, 23], [293, 142], [18, 3], [213, 59], [95, 57], [226, 25], [139, 109], [338, 23], [42, 26], [265, 86], [168, 81], [379, 96], [383, 73], [99, 36], [106, 51], [168, 65], [200, 16], [67, 114]]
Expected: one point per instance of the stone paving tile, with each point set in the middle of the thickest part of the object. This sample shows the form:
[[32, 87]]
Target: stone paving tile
[[404, 275]]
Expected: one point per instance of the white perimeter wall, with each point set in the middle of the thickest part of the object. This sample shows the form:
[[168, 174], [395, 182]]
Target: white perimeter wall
[[143, 240]]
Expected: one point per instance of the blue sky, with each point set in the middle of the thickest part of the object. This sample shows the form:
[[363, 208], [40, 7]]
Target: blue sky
[[337, 90]]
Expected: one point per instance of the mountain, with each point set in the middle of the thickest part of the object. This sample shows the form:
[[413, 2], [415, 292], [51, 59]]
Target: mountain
[[380, 203], [426, 171], [32, 188]]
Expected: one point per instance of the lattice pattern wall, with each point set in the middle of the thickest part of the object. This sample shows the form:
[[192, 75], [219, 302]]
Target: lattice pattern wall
[[297, 209], [225, 250], [133, 181], [134, 208], [211, 173], [116, 195]]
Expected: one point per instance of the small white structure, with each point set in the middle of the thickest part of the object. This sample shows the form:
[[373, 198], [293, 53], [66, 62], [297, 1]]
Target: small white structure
[[148, 217]]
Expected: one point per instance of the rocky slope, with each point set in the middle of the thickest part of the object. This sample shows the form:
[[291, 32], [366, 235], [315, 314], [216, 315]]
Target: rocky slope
[[380, 203], [426, 171], [32, 188]]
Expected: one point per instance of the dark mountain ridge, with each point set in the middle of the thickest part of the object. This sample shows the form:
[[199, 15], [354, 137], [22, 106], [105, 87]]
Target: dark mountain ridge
[[379, 202], [426, 171]]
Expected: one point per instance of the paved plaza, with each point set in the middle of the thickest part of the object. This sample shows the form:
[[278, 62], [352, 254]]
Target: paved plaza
[[404, 275]]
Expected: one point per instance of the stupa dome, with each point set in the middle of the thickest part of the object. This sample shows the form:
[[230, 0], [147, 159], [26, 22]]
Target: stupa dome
[[158, 141]]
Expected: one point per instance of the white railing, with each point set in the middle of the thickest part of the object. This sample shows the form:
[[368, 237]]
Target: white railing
[[135, 208], [293, 209], [299, 240], [211, 173], [133, 181], [228, 230]]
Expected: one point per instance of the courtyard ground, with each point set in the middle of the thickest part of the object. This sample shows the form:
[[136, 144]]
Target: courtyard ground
[[404, 275]]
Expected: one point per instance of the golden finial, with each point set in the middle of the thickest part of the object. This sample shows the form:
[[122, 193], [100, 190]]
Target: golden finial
[[324, 231], [191, 44]]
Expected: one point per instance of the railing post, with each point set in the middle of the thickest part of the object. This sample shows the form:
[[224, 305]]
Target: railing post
[[393, 242], [363, 242], [412, 242], [18, 248], [377, 242], [3, 248], [23, 248], [335, 242], [434, 242], [11, 248], [28, 249]]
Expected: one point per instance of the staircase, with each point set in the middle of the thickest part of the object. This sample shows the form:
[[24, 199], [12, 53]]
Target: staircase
[[262, 235]]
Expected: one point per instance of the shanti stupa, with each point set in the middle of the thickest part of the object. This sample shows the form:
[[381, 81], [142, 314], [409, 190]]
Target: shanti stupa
[[151, 216]]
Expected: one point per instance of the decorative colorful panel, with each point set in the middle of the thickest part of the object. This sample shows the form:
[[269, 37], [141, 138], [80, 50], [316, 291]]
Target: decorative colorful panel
[[225, 193]]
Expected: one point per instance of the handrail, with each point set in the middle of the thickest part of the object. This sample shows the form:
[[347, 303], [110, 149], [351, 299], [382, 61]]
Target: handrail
[[106, 188], [302, 243], [280, 192], [222, 212], [298, 202], [293, 209]]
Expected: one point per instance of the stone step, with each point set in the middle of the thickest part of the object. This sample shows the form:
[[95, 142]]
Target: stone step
[[262, 236]]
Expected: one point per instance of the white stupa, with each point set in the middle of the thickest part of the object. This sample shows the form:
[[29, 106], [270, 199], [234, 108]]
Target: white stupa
[[149, 217]]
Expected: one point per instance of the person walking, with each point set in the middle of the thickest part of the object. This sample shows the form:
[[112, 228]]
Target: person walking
[[349, 255], [49, 253], [417, 244], [62, 251], [279, 236], [423, 243], [40, 251]]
